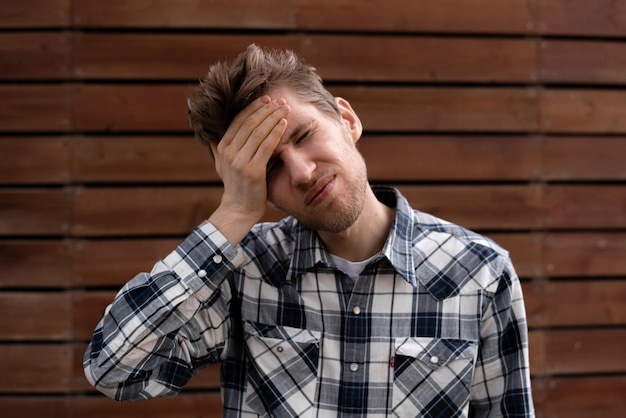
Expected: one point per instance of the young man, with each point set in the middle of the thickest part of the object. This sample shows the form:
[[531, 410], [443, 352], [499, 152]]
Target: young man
[[354, 305]]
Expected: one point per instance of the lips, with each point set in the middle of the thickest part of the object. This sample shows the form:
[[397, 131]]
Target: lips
[[319, 191]]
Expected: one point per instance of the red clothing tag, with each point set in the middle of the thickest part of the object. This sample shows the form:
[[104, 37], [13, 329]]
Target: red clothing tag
[[392, 362]]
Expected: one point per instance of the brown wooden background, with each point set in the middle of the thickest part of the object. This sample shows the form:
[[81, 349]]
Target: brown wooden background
[[507, 116]]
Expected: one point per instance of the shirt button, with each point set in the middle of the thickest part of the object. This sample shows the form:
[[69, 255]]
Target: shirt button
[[217, 259], [279, 349], [354, 367], [434, 359], [356, 310], [202, 273]]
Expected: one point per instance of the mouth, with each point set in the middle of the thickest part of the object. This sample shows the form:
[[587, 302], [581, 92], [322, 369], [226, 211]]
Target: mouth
[[320, 191]]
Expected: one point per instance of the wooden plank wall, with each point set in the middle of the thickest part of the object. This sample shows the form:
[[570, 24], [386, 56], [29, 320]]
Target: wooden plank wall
[[506, 116]]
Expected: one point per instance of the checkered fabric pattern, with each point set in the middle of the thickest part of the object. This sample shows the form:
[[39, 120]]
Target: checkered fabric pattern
[[433, 327]]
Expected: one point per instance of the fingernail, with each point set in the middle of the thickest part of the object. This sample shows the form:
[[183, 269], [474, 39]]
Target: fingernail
[[265, 99], [281, 101]]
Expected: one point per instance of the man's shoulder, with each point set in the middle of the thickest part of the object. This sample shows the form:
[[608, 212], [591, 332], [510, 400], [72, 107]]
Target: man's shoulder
[[428, 226]]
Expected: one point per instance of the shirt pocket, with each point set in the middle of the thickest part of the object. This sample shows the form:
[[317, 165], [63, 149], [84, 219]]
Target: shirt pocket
[[432, 374], [282, 372]]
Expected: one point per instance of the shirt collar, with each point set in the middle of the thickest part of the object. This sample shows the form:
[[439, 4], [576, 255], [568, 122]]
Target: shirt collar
[[309, 250]]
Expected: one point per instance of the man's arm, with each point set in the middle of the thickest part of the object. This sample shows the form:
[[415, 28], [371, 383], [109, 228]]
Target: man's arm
[[150, 340], [501, 384]]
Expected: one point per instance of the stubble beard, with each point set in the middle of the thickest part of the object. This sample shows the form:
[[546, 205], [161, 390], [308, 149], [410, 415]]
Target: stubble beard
[[344, 210]]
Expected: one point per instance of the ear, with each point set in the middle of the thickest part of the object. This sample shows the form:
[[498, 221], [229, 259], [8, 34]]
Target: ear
[[349, 118]]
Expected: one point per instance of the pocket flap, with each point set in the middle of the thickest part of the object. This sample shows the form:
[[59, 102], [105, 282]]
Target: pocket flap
[[435, 352]]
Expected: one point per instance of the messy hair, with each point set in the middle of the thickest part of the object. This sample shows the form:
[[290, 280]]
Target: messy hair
[[228, 88]]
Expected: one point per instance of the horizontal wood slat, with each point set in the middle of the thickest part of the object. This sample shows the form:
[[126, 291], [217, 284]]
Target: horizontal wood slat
[[560, 352], [35, 316], [575, 397], [34, 13], [582, 62], [33, 55], [98, 56], [35, 263], [32, 369], [582, 17], [34, 212], [203, 405], [557, 304], [574, 254], [35, 160], [269, 14], [336, 57], [177, 210], [34, 108], [583, 111], [107, 159], [163, 108]]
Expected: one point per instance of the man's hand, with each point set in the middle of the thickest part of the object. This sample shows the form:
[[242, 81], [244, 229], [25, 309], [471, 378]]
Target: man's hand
[[241, 160]]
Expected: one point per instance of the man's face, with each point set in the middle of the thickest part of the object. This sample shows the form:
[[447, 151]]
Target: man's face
[[316, 173]]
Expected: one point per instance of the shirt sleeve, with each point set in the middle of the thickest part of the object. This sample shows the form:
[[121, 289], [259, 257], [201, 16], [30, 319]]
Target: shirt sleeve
[[165, 325], [501, 383]]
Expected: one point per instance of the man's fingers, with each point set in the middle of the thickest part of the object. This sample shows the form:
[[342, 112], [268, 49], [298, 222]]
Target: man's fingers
[[243, 116]]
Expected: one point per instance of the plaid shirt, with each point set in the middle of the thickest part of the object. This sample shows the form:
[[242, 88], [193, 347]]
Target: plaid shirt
[[434, 326]]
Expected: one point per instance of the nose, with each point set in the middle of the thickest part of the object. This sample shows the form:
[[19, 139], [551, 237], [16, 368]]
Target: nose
[[299, 166]]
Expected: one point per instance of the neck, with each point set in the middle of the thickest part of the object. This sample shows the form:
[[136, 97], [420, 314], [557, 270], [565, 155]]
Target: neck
[[367, 236]]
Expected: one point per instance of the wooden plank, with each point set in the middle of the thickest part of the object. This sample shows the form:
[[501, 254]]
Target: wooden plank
[[575, 303], [39, 160], [492, 207], [130, 108], [36, 406], [577, 206], [443, 109], [164, 108], [576, 397], [35, 263], [464, 16], [583, 111], [438, 158], [242, 14], [597, 62], [584, 158], [582, 17], [34, 13], [160, 56], [34, 108], [337, 57], [585, 254], [423, 59], [34, 212], [111, 263], [142, 211], [142, 159], [559, 352], [34, 55], [51, 372], [197, 405], [525, 250], [28, 316]]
